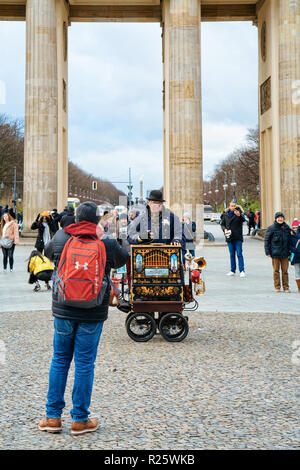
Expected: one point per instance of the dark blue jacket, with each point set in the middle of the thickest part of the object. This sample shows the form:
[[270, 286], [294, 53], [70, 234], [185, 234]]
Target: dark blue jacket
[[277, 240], [293, 242]]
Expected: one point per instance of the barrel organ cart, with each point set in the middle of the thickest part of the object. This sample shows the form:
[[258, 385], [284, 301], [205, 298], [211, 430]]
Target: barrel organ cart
[[159, 294]]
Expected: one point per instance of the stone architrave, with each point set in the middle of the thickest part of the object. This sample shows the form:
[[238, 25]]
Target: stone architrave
[[41, 110], [182, 105]]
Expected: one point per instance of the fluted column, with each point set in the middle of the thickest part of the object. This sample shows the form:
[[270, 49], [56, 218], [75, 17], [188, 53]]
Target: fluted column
[[182, 104], [289, 106], [41, 110]]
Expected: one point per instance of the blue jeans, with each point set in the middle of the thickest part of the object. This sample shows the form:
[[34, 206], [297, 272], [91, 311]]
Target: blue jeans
[[80, 340], [236, 248]]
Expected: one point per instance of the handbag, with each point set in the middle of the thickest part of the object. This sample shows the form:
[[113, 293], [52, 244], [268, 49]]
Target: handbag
[[6, 243]]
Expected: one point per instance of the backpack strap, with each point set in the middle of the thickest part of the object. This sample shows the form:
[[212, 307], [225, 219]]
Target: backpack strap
[[117, 291]]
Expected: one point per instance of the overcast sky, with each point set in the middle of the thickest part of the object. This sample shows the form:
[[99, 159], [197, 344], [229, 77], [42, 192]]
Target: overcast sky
[[115, 94]]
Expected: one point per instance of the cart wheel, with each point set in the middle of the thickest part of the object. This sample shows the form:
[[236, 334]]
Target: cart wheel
[[141, 327], [173, 327]]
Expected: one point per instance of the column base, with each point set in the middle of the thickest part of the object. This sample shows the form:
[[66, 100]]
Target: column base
[[27, 233]]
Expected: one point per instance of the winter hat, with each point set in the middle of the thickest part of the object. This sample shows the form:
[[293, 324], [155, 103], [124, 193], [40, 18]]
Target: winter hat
[[67, 220], [295, 223], [45, 214], [279, 214], [88, 211], [187, 215]]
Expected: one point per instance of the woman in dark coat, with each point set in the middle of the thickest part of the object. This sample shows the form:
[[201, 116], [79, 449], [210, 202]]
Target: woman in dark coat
[[44, 225]]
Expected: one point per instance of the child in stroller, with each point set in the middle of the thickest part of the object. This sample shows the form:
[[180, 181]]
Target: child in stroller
[[40, 269]]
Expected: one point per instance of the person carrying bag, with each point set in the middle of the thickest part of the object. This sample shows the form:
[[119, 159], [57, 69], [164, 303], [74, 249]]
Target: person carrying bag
[[9, 234]]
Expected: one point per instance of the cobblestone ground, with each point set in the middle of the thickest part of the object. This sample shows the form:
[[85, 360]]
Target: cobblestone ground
[[231, 384]]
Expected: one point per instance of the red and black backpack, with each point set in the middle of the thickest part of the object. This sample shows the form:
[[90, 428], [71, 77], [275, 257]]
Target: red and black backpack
[[81, 280]]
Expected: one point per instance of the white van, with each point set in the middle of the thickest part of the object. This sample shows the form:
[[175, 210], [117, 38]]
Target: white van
[[208, 212]]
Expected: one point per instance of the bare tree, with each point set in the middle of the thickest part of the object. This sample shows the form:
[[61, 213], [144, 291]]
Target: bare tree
[[244, 160], [12, 155]]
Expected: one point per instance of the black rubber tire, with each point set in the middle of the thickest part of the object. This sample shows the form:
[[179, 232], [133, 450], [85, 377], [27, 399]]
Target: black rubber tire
[[147, 322], [168, 325]]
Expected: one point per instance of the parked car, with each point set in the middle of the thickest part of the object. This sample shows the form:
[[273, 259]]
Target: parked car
[[208, 212]]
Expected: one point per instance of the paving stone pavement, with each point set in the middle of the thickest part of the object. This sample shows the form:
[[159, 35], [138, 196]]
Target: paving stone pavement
[[233, 383]]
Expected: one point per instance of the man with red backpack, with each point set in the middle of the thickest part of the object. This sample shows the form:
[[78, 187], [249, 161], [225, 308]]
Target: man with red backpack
[[81, 288]]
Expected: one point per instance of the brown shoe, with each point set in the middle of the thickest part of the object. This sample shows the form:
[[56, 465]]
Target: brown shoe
[[82, 427], [50, 425]]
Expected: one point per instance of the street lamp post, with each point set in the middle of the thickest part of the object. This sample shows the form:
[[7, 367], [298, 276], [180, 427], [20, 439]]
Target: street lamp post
[[209, 192], [216, 192], [233, 184], [130, 186], [225, 187]]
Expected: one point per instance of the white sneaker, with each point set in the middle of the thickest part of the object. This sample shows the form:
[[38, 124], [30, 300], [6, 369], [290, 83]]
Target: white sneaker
[[242, 274], [5, 271], [11, 270], [230, 274]]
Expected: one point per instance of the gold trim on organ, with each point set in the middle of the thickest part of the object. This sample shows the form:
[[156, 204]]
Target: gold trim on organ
[[156, 259]]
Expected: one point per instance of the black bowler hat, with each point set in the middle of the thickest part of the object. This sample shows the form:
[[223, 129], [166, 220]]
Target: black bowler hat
[[156, 195]]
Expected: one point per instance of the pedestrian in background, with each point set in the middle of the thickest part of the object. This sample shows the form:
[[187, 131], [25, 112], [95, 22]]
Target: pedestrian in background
[[108, 222], [68, 218], [123, 241], [133, 214], [232, 221], [9, 233], [40, 269], [188, 235], [56, 218], [4, 209], [251, 222], [295, 250], [44, 225], [277, 247], [257, 220]]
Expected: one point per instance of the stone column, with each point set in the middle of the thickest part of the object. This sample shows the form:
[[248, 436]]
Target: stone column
[[183, 178], [289, 106], [41, 110]]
